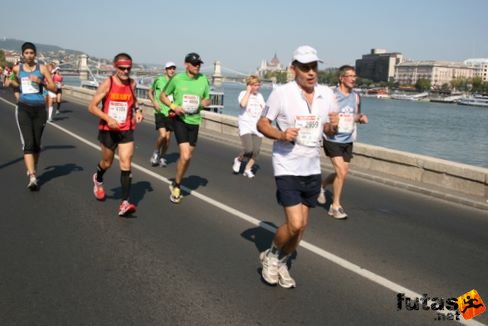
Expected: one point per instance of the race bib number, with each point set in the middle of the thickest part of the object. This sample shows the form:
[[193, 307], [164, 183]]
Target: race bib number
[[28, 86], [310, 133], [191, 103], [118, 111], [346, 123], [254, 109]]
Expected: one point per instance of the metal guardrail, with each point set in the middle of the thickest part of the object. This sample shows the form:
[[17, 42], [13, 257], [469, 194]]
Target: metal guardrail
[[216, 97]]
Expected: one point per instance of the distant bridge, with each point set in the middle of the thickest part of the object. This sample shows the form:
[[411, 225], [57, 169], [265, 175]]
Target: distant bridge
[[93, 68]]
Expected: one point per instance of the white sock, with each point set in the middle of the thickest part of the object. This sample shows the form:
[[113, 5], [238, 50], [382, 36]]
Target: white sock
[[50, 112]]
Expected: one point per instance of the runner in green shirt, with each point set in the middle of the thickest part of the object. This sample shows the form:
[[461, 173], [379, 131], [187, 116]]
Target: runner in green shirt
[[191, 92], [164, 124]]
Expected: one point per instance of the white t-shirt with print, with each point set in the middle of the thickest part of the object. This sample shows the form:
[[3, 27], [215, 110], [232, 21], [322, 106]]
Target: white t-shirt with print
[[249, 116], [285, 104]]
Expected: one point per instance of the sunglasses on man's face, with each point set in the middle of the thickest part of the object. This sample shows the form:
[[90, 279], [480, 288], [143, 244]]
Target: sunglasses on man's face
[[306, 67], [124, 68], [196, 64]]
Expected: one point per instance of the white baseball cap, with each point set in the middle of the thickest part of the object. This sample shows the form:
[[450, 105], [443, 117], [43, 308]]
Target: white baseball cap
[[306, 54], [169, 64]]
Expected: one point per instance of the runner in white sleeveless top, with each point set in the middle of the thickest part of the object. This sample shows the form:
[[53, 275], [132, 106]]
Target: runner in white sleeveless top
[[338, 147]]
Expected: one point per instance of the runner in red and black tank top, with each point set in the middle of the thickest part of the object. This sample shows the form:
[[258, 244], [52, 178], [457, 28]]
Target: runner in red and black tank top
[[116, 128], [118, 104]]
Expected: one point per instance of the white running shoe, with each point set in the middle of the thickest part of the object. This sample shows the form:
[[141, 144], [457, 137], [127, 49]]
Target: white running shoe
[[236, 167], [286, 281], [337, 213], [249, 174], [32, 185], [163, 163], [154, 159], [270, 267], [321, 199]]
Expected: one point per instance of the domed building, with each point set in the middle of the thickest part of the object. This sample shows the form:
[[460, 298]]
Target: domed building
[[273, 65]]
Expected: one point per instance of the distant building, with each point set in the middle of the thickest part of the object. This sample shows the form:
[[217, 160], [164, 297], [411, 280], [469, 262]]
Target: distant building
[[481, 66], [438, 72], [379, 65], [273, 65], [11, 57]]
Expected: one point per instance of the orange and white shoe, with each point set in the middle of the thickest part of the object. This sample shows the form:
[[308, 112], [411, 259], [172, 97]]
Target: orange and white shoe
[[98, 190]]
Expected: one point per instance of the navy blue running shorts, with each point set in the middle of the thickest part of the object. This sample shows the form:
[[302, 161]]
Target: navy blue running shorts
[[292, 190]]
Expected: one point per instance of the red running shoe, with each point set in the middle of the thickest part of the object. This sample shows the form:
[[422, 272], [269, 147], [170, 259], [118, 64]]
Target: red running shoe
[[126, 208], [98, 190]]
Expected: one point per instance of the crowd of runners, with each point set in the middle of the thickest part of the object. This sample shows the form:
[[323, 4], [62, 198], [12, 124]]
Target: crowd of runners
[[301, 116]]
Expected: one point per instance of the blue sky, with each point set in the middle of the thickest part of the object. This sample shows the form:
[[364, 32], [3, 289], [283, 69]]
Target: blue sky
[[242, 33]]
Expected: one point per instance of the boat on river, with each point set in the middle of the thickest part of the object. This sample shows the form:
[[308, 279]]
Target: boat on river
[[409, 97], [475, 100]]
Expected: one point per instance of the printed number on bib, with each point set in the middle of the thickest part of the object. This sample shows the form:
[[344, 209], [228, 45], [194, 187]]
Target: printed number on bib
[[346, 123], [28, 86], [118, 111], [310, 132], [254, 108], [191, 103]]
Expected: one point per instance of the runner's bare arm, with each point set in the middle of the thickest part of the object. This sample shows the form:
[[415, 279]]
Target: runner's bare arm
[[50, 85], [266, 128], [101, 92]]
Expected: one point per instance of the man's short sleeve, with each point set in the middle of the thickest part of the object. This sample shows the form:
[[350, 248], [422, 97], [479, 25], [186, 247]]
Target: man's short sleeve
[[169, 88], [273, 106]]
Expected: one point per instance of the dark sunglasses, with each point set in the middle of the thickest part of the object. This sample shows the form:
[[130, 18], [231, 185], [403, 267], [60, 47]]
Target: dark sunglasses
[[124, 68], [305, 67], [197, 63]]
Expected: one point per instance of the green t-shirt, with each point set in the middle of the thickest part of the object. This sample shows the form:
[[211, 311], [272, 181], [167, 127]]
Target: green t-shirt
[[157, 87], [188, 93]]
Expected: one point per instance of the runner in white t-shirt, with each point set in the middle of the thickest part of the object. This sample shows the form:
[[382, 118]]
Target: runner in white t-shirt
[[252, 105], [302, 111]]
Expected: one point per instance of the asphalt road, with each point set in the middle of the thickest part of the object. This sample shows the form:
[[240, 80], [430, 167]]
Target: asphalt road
[[67, 259]]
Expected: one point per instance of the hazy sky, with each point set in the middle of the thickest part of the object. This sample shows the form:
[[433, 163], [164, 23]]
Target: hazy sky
[[242, 33]]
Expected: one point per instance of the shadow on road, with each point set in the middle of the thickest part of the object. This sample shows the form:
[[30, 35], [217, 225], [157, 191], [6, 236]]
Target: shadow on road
[[12, 162], [137, 192], [171, 157], [262, 238], [56, 171], [44, 148], [194, 182]]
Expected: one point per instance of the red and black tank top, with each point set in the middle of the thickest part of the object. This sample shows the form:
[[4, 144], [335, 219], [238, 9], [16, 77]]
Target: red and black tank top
[[119, 104]]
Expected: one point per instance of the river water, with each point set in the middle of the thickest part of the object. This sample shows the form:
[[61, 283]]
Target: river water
[[448, 131]]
